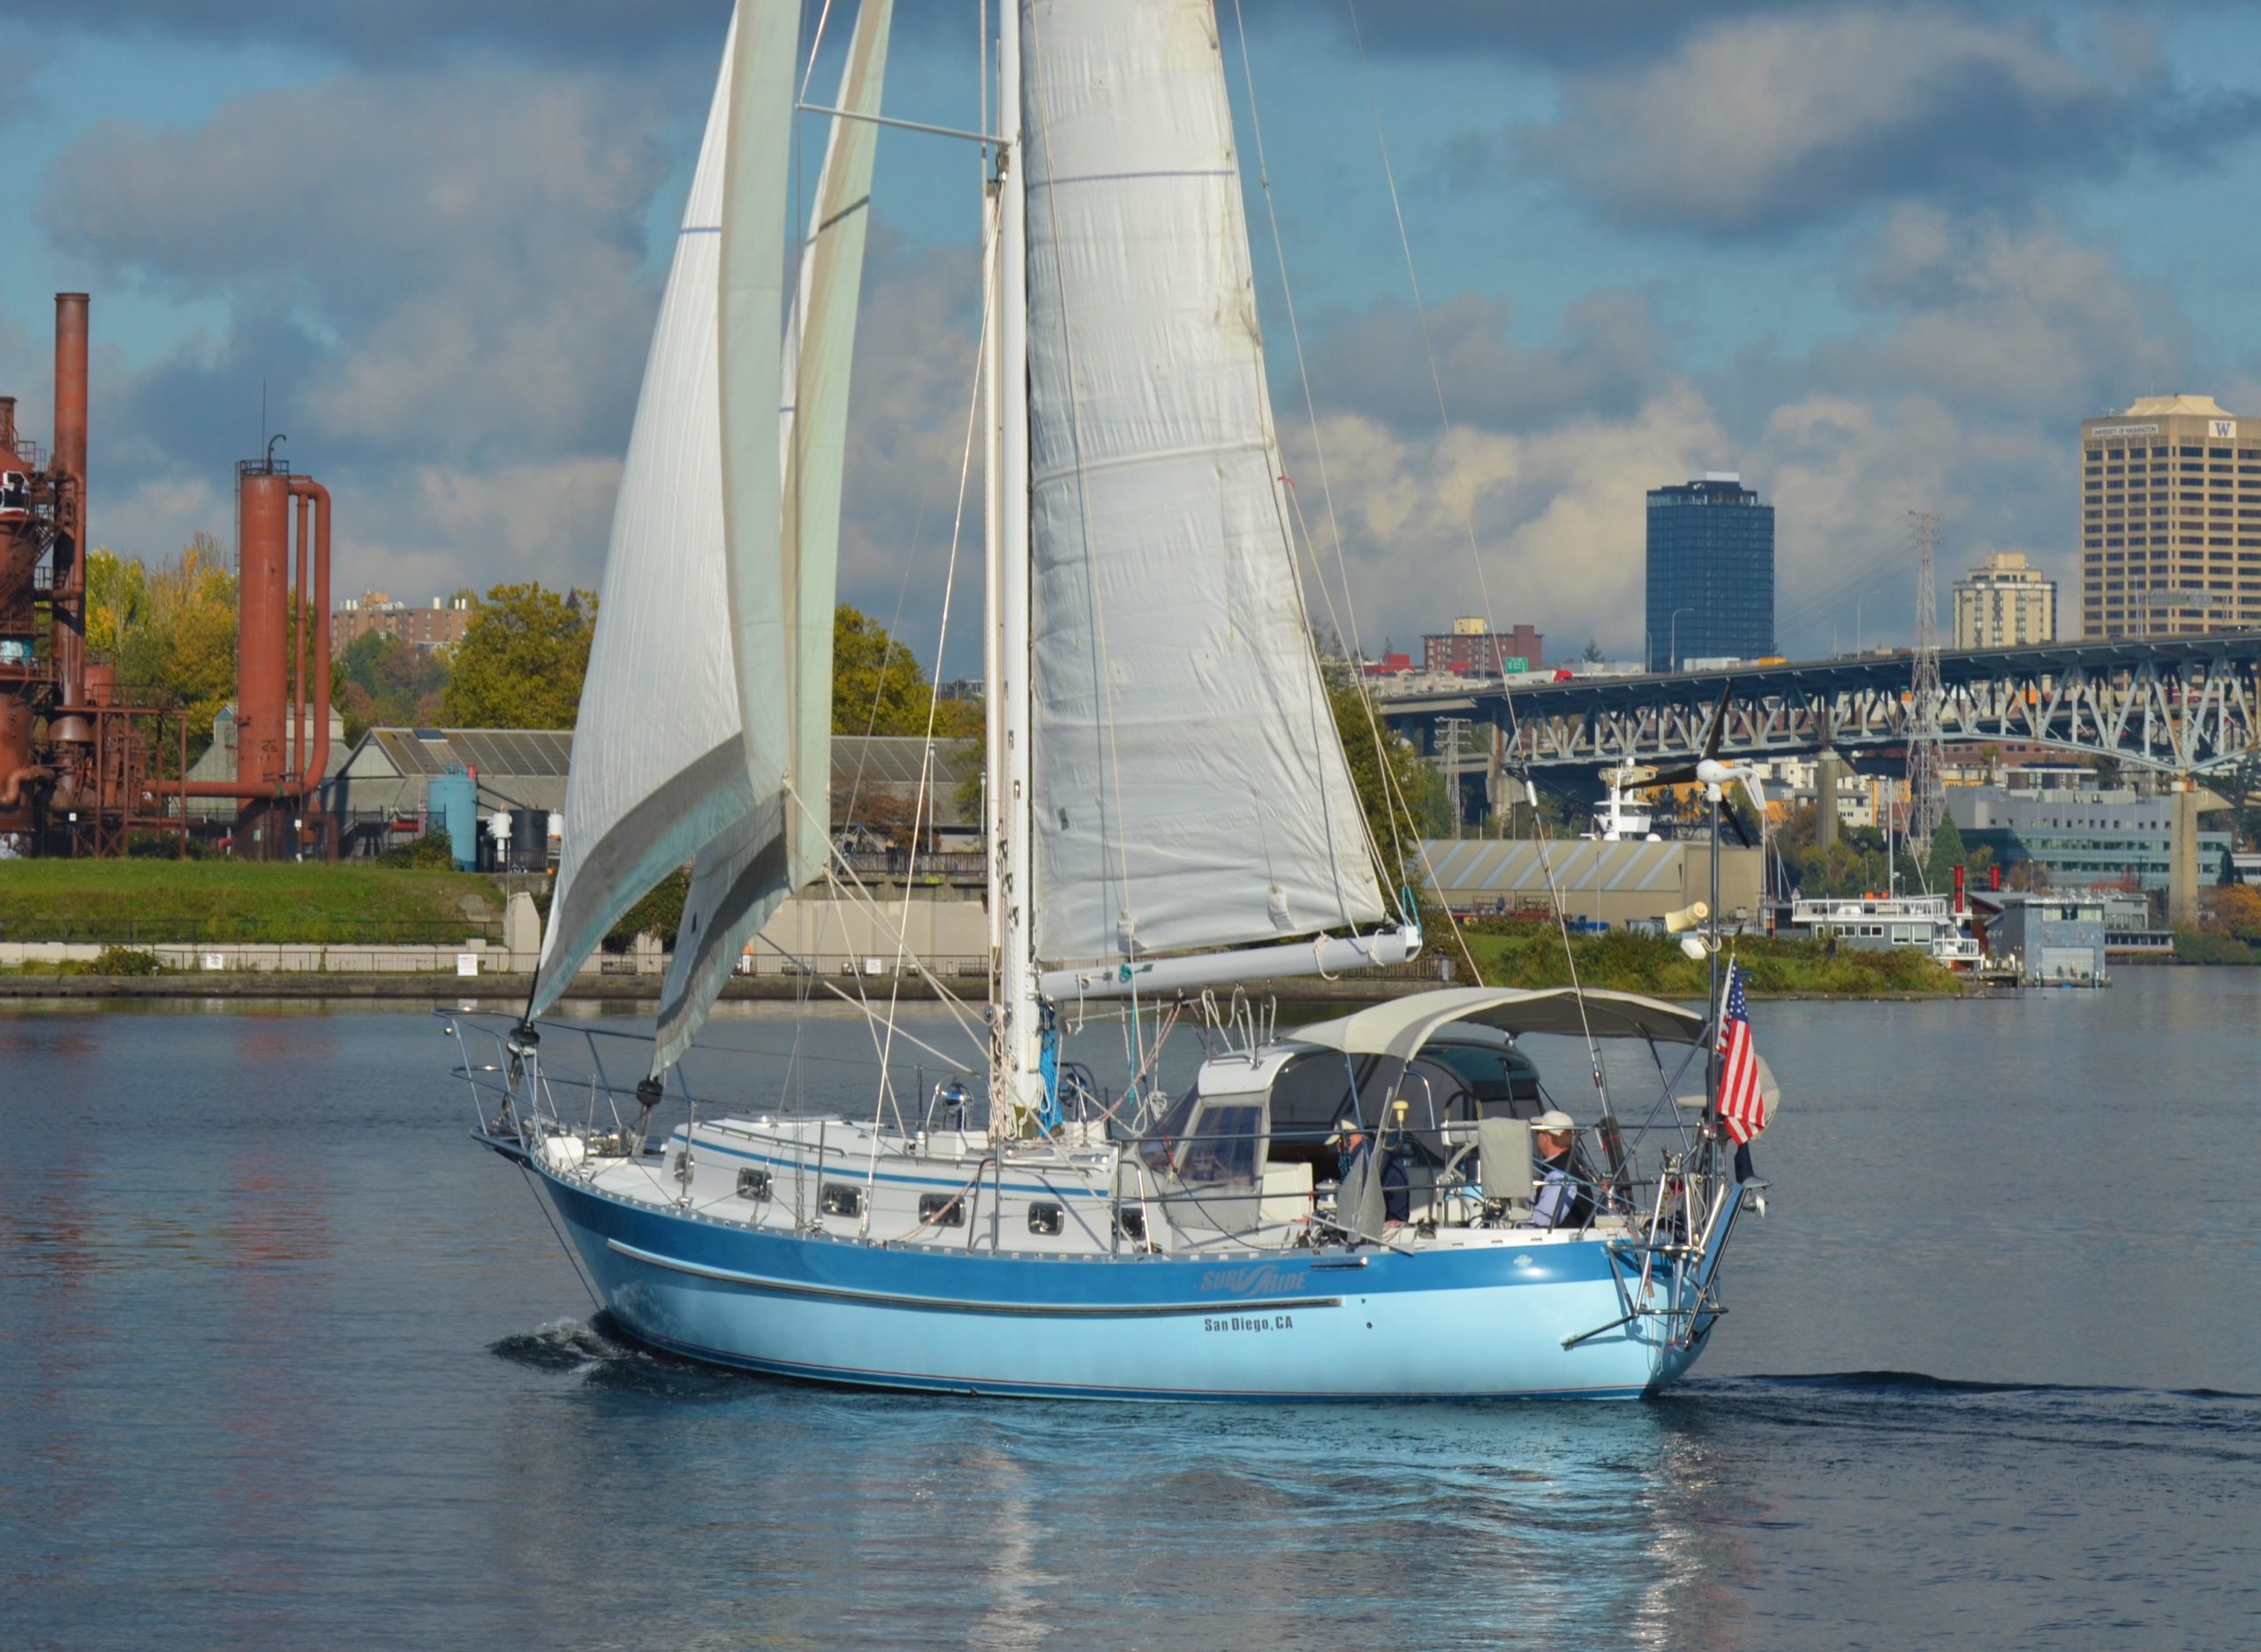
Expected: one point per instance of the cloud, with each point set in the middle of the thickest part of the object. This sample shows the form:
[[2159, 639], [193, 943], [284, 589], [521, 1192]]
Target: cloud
[[1610, 358], [1558, 516], [1545, 30], [435, 274], [404, 31], [2013, 316], [1763, 122]]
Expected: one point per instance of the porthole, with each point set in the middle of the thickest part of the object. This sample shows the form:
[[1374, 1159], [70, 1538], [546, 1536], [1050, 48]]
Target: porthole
[[1131, 1225], [754, 1184], [841, 1199], [1045, 1218], [942, 1209]]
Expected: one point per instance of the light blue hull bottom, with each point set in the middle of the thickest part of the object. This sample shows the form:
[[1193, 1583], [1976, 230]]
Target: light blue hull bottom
[[1301, 1325]]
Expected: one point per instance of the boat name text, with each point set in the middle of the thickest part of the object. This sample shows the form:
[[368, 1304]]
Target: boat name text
[[1258, 1281]]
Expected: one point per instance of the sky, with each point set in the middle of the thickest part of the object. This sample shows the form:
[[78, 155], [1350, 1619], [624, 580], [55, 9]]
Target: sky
[[1876, 258]]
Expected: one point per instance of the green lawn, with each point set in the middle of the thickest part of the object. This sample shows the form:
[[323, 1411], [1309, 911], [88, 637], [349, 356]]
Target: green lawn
[[147, 901], [1528, 954]]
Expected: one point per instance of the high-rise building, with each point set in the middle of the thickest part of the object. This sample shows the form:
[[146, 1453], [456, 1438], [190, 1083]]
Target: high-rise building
[[1711, 572], [1470, 651], [2003, 602], [2170, 520]]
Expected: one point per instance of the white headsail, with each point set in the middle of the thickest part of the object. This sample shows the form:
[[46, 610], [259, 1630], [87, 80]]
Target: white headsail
[[657, 763], [1190, 787], [742, 874]]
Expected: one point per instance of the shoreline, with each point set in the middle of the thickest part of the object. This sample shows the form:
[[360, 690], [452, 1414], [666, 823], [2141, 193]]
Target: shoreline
[[450, 989]]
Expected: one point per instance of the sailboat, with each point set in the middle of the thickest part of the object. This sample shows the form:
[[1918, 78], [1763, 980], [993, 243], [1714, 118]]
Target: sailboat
[[1387, 1204]]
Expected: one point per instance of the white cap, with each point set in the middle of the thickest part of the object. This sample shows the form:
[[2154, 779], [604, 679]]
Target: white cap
[[1554, 1122]]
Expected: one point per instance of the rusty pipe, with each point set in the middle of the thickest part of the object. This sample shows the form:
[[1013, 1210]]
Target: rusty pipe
[[11, 790], [301, 620], [69, 616], [71, 390], [7, 426], [311, 778]]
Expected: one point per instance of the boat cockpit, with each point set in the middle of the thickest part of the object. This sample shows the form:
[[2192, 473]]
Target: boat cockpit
[[1442, 1104]]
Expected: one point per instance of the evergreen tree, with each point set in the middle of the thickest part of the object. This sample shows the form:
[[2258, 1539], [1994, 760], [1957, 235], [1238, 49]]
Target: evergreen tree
[[1947, 853]]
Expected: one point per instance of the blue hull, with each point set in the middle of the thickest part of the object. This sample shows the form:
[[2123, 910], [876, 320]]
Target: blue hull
[[1482, 1322]]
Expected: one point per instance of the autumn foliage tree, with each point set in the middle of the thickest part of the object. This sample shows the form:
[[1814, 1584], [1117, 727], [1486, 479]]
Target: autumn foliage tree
[[878, 689], [522, 659], [171, 630]]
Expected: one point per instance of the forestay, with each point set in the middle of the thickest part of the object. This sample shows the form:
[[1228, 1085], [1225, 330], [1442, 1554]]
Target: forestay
[[742, 874], [1190, 787], [657, 764]]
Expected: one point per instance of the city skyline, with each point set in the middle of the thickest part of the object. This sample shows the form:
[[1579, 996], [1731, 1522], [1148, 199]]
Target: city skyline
[[438, 243]]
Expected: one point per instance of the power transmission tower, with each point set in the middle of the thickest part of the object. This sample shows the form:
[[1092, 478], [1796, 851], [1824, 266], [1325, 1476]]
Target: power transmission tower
[[1927, 802]]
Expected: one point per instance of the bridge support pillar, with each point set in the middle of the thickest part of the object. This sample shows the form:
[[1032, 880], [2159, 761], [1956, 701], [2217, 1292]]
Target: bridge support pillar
[[2183, 855], [1828, 773]]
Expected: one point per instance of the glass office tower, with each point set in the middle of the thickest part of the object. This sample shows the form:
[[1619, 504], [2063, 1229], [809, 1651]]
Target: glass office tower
[[1710, 573]]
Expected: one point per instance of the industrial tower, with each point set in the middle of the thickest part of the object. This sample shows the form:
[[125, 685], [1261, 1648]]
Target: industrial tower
[[1926, 800]]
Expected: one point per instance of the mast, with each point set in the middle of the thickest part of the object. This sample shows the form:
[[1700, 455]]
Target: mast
[[1017, 1082]]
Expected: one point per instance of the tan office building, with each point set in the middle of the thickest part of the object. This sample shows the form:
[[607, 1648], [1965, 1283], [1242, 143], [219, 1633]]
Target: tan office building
[[2170, 520], [2003, 602]]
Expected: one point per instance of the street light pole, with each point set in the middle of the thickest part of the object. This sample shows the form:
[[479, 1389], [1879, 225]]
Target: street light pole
[[1672, 636]]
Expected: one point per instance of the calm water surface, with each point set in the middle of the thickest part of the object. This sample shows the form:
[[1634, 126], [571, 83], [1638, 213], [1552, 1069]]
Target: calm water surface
[[285, 1362]]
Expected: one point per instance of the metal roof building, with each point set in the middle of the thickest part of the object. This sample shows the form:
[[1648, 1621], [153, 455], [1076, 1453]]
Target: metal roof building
[[1602, 883], [377, 794]]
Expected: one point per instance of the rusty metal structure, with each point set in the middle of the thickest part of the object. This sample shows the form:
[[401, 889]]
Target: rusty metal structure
[[80, 769]]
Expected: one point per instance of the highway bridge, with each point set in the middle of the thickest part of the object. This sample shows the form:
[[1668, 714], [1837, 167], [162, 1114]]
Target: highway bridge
[[2185, 706]]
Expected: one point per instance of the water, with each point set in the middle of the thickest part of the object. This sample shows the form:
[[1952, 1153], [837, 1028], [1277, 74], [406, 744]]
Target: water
[[285, 1361]]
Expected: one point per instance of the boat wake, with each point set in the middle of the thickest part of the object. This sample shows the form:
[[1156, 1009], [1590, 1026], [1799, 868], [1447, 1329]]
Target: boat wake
[[606, 1358], [562, 1345]]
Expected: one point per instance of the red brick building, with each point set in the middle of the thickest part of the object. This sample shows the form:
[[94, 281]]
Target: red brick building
[[1470, 651], [440, 626]]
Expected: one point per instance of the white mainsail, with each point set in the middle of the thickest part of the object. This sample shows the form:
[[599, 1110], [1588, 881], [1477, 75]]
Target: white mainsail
[[1190, 787], [657, 763], [742, 875]]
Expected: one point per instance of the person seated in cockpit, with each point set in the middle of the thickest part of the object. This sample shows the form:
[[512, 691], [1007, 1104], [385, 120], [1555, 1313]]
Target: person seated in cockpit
[[1564, 1200], [1352, 1144]]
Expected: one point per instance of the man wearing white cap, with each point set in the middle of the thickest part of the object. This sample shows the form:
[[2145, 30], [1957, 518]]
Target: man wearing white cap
[[1563, 1201]]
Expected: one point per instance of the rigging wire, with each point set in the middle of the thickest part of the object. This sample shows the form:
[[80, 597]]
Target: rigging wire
[[921, 806], [1286, 485], [1475, 562]]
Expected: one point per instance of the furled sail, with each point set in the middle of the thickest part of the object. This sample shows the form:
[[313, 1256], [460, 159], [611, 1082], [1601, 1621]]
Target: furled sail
[[742, 875], [658, 767], [1189, 788]]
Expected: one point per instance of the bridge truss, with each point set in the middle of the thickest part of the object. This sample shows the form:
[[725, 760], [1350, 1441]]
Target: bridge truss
[[2186, 705]]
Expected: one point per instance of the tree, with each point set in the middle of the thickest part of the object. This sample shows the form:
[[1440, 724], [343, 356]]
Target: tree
[[878, 688], [1593, 655], [521, 661], [1403, 796], [171, 630], [1947, 853], [2240, 788], [389, 683]]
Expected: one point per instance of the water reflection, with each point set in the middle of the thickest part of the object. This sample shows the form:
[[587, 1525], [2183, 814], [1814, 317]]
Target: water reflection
[[1157, 1525], [284, 1360]]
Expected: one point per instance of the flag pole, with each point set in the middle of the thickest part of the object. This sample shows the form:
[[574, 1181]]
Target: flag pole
[[1712, 954]]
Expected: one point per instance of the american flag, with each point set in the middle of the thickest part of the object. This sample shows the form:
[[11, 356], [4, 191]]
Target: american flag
[[1742, 1108]]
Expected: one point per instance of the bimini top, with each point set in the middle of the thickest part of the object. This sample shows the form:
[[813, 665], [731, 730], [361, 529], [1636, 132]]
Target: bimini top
[[1401, 1027]]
